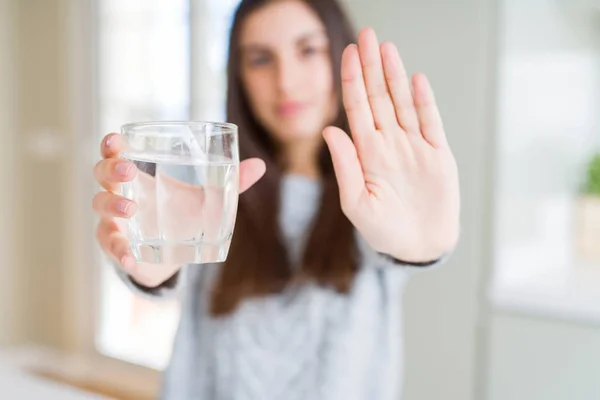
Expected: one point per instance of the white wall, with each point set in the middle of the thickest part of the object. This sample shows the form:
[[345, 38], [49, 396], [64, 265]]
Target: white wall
[[453, 42], [40, 129], [34, 200], [538, 359], [549, 124], [8, 326]]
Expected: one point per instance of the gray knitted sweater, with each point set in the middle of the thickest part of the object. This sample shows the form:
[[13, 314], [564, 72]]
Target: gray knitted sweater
[[308, 343]]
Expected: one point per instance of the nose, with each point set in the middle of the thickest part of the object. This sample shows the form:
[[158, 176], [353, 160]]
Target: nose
[[288, 75]]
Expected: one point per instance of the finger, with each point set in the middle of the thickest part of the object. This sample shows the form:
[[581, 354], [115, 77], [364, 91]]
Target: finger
[[348, 170], [111, 172], [430, 120], [111, 146], [399, 87], [354, 93], [378, 94], [251, 171], [111, 205], [106, 227], [115, 244]]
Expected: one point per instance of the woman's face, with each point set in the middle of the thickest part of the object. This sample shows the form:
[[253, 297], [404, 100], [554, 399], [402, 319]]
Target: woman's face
[[286, 70]]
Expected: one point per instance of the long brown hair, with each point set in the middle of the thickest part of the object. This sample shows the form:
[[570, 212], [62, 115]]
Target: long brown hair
[[258, 263]]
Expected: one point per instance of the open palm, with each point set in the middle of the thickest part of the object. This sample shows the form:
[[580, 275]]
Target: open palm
[[397, 176]]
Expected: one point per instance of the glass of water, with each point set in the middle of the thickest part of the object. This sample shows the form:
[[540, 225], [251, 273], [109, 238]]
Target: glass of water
[[186, 190]]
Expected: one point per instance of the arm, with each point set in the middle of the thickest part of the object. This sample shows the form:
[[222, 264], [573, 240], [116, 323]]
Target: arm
[[377, 259], [110, 173], [397, 176]]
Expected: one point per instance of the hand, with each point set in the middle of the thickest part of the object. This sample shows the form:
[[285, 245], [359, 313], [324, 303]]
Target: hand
[[398, 178], [112, 208]]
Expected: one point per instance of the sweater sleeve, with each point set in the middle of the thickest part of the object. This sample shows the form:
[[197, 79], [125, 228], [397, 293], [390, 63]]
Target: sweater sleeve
[[167, 290], [372, 258]]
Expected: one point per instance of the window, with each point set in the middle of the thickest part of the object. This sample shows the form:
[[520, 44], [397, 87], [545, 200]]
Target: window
[[549, 128], [157, 60]]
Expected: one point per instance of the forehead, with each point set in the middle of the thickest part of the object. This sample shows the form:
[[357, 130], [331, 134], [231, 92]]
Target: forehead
[[281, 22]]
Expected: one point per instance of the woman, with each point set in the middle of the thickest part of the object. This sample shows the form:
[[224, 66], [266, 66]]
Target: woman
[[307, 305]]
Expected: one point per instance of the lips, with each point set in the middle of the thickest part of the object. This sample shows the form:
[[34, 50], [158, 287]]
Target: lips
[[290, 108]]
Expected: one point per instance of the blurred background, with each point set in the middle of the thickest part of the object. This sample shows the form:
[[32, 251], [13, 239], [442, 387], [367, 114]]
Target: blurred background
[[514, 315]]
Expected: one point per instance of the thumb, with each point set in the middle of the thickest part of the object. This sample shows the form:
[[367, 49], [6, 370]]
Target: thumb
[[251, 170], [346, 164]]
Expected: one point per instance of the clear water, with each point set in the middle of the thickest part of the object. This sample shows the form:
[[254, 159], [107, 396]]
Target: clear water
[[186, 209]]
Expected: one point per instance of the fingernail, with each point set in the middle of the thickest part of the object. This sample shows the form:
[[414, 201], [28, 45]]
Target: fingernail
[[123, 168], [110, 140], [128, 262], [123, 206]]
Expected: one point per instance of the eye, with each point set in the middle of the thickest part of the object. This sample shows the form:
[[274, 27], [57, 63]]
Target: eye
[[259, 60], [309, 51]]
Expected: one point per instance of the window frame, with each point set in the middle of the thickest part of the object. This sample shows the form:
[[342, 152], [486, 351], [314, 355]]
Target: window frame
[[82, 297], [85, 262]]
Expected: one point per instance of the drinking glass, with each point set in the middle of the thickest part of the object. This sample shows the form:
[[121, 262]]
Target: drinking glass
[[186, 190]]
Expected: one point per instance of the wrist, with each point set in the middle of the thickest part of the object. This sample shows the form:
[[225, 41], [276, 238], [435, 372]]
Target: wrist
[[426, 256], [420, 262], [163, 275], [434, 251]]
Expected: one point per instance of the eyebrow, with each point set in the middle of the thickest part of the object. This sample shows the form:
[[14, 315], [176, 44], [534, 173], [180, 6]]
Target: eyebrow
[[249, 47]]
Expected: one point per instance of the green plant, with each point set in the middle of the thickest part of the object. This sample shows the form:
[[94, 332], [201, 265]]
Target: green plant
[[592, 184]]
